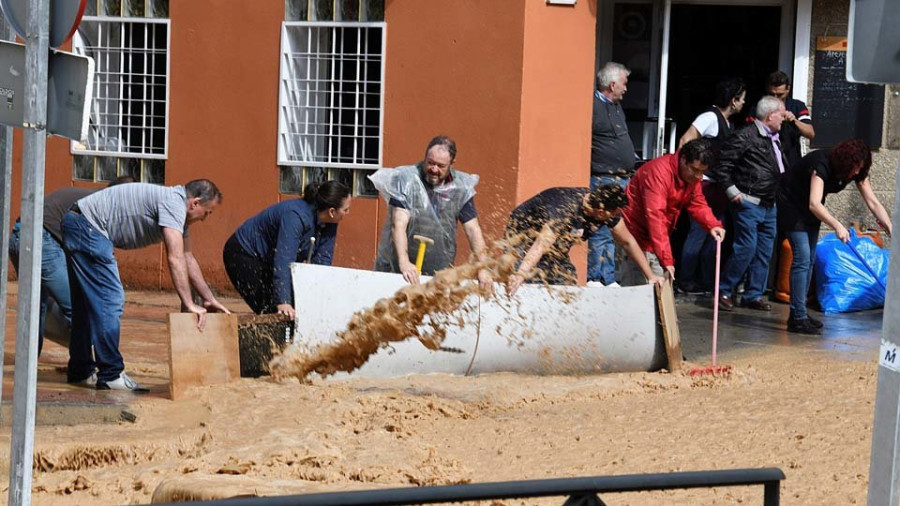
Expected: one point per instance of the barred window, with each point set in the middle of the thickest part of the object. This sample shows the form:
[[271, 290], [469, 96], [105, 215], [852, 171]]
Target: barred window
[[128, 132], [331, 93]]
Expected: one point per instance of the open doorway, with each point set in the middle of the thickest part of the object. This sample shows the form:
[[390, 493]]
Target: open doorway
[[711, 42]]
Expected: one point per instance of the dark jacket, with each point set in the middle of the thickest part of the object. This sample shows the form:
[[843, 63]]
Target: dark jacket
[[280, 234], [747, 165], [612, 152]]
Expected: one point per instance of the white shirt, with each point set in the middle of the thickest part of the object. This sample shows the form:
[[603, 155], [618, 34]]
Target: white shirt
[[707, 124]]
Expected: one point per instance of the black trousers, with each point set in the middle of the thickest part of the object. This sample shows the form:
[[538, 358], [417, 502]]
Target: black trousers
[[250, 276]]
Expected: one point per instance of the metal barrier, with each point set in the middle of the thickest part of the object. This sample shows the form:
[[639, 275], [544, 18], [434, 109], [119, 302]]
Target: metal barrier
[[580, 491]]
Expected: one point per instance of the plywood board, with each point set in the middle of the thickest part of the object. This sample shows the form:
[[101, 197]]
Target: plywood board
[[669, 322], [203, 358], [564, 330]]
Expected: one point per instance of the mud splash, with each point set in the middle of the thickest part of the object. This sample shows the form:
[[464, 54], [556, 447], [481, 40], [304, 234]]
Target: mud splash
[[84, 457], [421, 311]]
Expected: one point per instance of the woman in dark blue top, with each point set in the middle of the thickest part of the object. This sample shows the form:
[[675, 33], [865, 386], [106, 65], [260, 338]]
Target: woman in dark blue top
[[801, 211], [259, 254]]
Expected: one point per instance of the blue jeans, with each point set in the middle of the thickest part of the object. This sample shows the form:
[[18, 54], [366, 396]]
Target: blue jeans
[[601, 248], [803, 247], [54, 276], [698, 257], [754, 237], [97, 301]]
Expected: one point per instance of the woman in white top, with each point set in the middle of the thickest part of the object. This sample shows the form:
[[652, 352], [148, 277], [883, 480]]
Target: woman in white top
[[730, 96], [697, 262]]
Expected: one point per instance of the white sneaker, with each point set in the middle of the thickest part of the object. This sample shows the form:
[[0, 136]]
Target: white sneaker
[[613, 285], [123, 382]]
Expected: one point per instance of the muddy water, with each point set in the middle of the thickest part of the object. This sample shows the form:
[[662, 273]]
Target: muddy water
[[799, 410]]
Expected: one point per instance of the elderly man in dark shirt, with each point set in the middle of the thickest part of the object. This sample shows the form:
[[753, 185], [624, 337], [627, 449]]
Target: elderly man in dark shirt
[[612, 160]]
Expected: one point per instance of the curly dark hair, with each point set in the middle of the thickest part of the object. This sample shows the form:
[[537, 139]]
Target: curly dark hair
[[846, 156]]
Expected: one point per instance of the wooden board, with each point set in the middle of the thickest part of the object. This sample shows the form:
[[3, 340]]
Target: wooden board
[[665, 297], [203, 358]]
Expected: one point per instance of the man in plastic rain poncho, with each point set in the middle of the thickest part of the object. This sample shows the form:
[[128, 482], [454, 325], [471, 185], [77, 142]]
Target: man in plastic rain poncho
[[427, 199]]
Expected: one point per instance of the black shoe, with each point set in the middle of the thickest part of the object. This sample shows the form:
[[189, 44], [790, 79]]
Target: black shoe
[[815, 323], [803, 326]]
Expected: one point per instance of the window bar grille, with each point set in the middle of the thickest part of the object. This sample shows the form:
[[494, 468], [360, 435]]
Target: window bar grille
[[104, 81], [130, 114], [357, 95], [364, 77], [127, 84], [337, 102], [317, 95], [331, 87], [121, 79], [326, 95], [311, 94], [144, 94], [306, 97]]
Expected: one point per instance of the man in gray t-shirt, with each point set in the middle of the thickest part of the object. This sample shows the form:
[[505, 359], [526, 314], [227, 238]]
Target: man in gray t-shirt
[[54, 272], [128, 217]]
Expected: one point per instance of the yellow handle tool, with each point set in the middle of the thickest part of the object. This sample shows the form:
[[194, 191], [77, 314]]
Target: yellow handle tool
[[420, 255]]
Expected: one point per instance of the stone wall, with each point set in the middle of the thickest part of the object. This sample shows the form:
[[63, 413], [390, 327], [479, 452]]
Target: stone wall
[[830, 17]]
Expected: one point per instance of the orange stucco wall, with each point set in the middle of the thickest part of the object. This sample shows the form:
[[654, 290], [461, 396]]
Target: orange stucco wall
[[510, 81], [555, 131], [456, 69], [223, 112]]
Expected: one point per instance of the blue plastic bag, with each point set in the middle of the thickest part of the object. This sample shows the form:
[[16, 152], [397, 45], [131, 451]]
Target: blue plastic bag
[[852, 276]]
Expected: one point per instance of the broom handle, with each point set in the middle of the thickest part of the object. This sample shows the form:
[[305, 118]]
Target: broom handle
[[715, 335]]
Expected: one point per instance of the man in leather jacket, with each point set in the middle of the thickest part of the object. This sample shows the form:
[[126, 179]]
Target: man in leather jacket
[[750, 168]]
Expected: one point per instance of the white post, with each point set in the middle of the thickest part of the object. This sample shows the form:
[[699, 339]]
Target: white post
[[801, 50], [6, 134], [884, 465], [663, 79], [37, 50]]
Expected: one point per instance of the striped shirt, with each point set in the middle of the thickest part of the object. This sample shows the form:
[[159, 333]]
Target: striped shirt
[[133, 215]]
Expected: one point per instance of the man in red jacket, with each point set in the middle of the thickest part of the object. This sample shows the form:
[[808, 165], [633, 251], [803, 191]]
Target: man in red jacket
[[657, 193]]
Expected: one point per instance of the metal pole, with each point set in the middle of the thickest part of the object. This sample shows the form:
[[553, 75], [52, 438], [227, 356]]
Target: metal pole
[[663, 79], [37, 50], [884, 465], [772, 493], [6, 136]]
